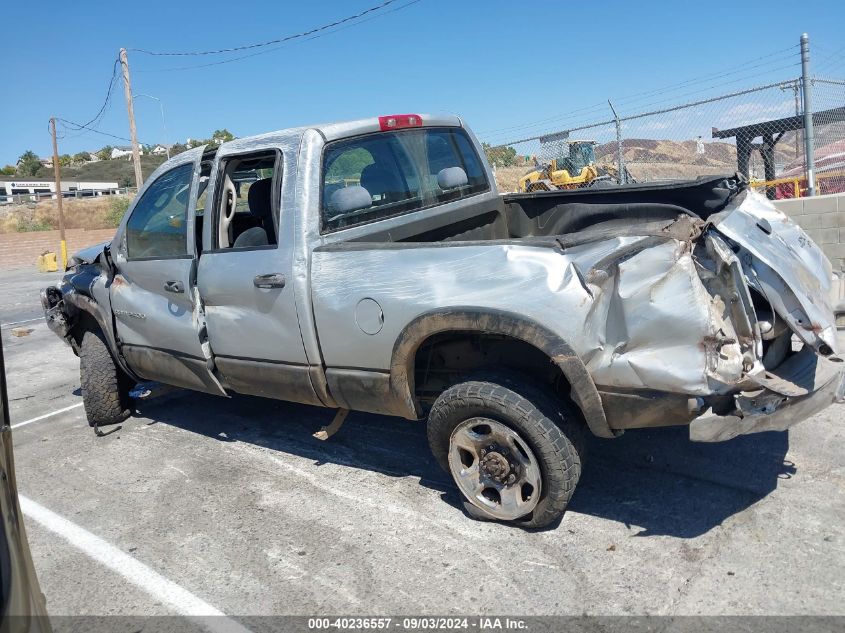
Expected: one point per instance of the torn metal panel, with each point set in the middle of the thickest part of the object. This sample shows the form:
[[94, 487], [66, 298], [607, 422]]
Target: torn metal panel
[[785, 265], [814, 383]]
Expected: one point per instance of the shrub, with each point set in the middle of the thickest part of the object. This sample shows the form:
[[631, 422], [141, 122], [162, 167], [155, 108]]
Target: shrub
[[117, 209], [34, 225]]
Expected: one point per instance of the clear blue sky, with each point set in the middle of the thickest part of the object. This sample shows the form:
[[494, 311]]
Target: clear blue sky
[[498, 63]]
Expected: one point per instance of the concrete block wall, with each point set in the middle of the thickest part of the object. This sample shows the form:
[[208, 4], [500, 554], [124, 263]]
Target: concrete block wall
[[21, 250], [823, 218]]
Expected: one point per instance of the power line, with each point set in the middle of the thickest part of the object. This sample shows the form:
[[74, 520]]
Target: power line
[[717, 85], [79, 126], [269, 42], [275, 48], [108, 96], [704, 78], [88, 124], [641, 115], [665, 90], [652, 104]]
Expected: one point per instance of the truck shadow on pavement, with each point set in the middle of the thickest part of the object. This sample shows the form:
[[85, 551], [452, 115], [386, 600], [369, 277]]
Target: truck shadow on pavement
[[655, 479]]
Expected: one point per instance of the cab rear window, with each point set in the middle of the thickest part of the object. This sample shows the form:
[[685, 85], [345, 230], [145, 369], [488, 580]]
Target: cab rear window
[[382, 175]]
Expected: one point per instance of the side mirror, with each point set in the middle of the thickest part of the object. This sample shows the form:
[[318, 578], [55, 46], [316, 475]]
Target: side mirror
[[350, 199], [452, 178]]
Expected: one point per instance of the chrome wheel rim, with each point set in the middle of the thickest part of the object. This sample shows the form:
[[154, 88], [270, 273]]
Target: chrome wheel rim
[[494, 468]]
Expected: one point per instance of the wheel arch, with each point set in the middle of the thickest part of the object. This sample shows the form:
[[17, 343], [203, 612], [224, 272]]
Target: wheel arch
[[494, 322], [88, 316]]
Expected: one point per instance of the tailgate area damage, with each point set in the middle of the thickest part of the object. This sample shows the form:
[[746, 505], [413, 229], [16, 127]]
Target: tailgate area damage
[[720, 320]]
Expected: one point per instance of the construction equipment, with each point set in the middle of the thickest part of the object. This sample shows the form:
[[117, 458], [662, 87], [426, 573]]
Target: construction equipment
[[573, 167]]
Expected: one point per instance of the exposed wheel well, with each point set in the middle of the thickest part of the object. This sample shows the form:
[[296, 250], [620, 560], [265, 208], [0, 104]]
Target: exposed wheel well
[[84, 323], [443, 359]]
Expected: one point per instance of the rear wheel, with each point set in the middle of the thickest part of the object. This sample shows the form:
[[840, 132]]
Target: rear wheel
[[513, 450], [105, 388]]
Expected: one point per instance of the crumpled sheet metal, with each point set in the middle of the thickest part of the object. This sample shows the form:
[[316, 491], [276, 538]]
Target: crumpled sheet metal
[[653, 324], [633, 308], [800, 293]]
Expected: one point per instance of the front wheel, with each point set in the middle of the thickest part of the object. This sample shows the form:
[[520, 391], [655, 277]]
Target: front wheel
[[513, 450], [105, 388]]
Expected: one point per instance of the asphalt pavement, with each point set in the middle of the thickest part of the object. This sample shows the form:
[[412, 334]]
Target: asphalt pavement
[[232, 504]]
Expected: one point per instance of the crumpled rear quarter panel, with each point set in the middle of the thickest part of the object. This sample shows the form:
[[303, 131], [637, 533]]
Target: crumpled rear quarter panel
[[633, 308]]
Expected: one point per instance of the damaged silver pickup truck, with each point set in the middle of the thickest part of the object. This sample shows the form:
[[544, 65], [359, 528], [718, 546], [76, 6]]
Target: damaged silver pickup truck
[[372, 266]]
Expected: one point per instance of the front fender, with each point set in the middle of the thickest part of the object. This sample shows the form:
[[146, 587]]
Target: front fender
[[65, 305]]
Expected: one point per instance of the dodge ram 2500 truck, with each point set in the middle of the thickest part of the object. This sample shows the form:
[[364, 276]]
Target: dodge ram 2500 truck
[[371, 265]]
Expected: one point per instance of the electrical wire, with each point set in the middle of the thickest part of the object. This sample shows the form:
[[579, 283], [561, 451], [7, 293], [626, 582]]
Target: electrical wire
[[665, 90], [323, 33], [657, 103], [269, 42], [108, 95], [96, 118], [745, 69], [79, 126]]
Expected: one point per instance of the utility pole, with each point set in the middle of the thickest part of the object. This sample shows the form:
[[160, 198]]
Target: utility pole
[[57, 173], [796, 89], [807, 93], [620, 159], [127, 90]]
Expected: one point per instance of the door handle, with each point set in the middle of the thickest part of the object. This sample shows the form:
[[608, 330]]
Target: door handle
[[272, 280], [174, 286]]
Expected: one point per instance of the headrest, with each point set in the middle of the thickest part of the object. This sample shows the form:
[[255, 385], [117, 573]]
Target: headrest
[[377, 180], [451, 177], [258, 197], [350, 199]]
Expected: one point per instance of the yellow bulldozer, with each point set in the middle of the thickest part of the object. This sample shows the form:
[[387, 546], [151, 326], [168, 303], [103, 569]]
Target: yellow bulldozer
[[576, 170]]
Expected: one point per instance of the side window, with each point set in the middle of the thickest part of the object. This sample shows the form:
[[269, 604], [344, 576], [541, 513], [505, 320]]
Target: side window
[[376, 168], [158, 225], [382, 175], [247, 204]]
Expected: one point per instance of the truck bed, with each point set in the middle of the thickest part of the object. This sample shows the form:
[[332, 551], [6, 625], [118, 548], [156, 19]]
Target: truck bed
[[565, 213]]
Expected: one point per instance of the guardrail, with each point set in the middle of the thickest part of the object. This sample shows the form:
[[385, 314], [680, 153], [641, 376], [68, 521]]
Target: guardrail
[[35, 198], [831, 182]]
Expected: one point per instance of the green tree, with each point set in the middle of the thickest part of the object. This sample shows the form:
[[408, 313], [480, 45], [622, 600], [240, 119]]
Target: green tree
[[501, 156], [349, 164], [28, 164], [222, 136], [8, 170], [177, 148], [105, 153], [81, 157], [65, 160]]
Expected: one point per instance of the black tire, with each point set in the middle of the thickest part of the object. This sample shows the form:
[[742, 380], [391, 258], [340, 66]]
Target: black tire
[[105, 388], [555, 434]]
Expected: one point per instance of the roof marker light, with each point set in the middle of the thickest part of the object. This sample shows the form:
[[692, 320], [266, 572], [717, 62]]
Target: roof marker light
[[399, 121]]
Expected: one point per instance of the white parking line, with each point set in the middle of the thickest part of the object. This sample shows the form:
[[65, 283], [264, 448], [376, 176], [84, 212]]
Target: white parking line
[[133, 570], [46, 415], [13, 323]]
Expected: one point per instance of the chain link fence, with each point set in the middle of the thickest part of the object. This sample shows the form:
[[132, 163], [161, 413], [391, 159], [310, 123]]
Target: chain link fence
[[758, 131]]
